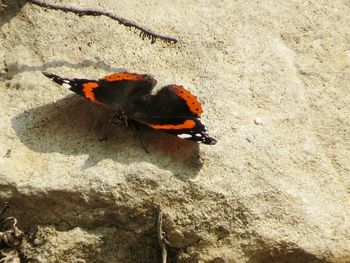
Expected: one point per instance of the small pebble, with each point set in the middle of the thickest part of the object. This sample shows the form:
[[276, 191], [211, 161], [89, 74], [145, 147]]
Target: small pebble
[[258, 121], [37, 241]]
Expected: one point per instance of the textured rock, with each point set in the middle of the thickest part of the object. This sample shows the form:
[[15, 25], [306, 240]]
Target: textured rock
[[85, 190]]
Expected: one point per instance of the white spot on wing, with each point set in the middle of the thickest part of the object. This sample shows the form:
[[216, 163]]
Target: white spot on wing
[[198, 135], [66, 85], [184, 136], [66, 81]]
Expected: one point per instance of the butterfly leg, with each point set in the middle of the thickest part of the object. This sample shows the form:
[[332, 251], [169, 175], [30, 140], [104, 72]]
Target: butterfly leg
[[119, 118], [136, 127]]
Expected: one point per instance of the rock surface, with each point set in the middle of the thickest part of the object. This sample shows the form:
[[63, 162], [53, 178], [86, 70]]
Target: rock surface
[[86, 191]]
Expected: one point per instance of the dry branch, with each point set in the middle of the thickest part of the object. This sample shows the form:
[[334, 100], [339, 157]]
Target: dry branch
[[161, 239], [144, 32]]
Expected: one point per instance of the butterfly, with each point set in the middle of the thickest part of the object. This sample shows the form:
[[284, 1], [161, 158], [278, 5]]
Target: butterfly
[[173, 109]]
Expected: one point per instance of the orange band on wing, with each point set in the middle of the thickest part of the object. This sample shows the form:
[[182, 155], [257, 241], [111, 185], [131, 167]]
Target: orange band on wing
[[122, 76], [187, 124], [88, 90], [191, 100]]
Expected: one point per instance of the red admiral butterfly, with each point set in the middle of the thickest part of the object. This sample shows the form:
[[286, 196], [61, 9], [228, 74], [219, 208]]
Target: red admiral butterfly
[[172, 109]]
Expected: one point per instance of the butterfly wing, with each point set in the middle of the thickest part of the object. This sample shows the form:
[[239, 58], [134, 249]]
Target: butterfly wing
[[175, 110], [185, 128], [116, 91]]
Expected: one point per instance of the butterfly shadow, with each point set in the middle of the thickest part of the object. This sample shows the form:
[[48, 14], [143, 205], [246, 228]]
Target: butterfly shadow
[[73, 126]]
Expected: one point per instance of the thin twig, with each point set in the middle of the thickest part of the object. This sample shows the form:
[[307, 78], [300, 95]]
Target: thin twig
[[160, 233], [12, 237], [14, 225], [145, 32], [2, 5]]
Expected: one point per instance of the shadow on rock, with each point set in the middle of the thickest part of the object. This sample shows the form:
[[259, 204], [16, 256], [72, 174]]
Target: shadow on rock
[[74, 126], [13, 69], [283, 252], [11, 10]]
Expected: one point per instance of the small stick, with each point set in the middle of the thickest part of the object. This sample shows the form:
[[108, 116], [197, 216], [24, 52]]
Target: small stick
[[160, 233], [2, 5], [11, 218], [13, 236], [145, 32]]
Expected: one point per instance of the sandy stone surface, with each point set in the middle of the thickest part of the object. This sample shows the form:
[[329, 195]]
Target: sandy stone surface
[[273, 78]]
